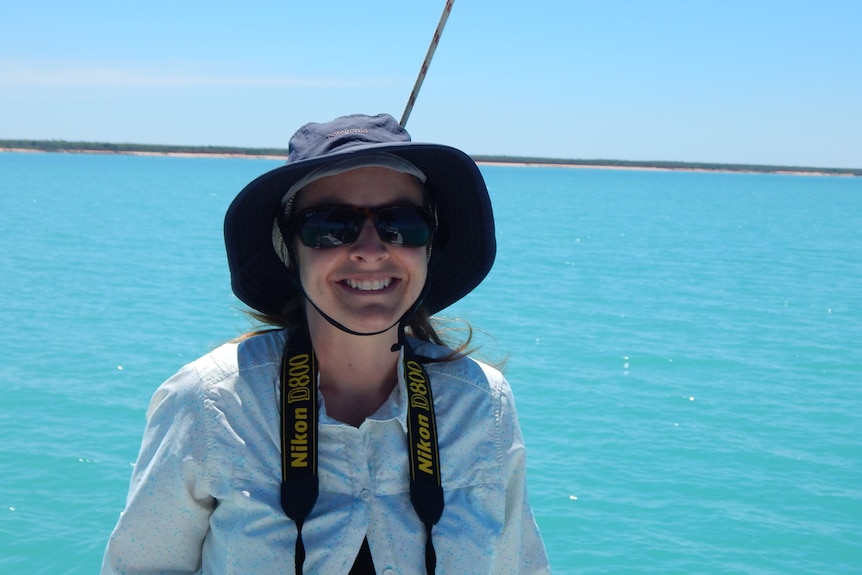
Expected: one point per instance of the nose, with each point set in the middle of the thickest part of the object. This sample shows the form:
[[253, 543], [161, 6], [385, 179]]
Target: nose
[[368, 246]]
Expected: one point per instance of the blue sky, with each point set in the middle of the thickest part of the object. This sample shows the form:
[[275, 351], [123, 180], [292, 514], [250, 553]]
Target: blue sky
[[759, 82]]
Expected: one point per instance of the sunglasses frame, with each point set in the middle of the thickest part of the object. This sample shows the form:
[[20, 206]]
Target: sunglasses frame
[[300, 220]]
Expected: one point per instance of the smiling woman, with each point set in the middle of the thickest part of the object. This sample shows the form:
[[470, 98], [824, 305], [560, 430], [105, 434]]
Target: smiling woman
[[369, 279], [340, 440]]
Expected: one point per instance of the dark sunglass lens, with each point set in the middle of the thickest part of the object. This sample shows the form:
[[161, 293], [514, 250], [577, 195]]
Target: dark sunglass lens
[[405, 226], [329, 227]]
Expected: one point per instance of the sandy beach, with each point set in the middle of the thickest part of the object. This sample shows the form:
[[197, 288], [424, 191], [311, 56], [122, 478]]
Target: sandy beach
[[481, 162]]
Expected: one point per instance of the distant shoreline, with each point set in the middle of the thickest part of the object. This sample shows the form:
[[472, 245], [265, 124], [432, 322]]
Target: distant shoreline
[[28, 146], [172, 154], [659, 167]]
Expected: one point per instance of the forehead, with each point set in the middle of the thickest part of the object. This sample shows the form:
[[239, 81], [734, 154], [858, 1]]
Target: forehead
[[363, 187]]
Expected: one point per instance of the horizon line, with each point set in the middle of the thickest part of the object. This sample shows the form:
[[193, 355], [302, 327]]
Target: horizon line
[[74, 146]]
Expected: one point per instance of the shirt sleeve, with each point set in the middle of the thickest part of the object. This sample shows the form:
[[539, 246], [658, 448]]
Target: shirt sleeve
[[167, 509], [520, 547]]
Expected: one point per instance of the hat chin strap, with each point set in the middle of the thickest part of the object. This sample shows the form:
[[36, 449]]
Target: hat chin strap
[[343, 327], [401, 323]]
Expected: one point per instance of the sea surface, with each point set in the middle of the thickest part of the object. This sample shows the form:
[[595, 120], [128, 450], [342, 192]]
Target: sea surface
[[684, 350]]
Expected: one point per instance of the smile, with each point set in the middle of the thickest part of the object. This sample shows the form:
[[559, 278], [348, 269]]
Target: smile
[[369, 285]]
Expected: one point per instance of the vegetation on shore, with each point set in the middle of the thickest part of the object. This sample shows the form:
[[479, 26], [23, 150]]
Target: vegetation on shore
[[103, 147], [663, 165], [111, 148]]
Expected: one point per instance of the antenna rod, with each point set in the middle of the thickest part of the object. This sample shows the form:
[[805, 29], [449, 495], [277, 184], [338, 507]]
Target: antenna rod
[[424, 69]]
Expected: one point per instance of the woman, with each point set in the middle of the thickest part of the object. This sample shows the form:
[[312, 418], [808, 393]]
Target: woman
[[348, 439]]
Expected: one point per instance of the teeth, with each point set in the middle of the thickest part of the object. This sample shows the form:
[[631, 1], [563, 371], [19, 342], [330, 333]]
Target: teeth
[[369, 285]]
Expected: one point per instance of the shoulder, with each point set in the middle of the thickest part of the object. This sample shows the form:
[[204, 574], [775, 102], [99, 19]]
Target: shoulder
[[462, 371], [241, 358], [477, 424], [473, 390], [226, 370]]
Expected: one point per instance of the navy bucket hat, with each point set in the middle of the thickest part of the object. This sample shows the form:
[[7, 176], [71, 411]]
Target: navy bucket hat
[[464, 245]]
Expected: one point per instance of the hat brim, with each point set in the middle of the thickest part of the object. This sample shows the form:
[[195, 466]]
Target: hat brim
[[463, 250]]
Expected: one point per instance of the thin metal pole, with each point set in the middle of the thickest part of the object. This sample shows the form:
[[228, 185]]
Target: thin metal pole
[[424, 69]]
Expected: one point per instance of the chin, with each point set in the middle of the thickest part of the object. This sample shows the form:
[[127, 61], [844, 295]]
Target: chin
[[371, 324], [370, 319]]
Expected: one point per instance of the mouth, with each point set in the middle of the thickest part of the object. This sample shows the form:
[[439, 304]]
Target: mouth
[[368, 285]]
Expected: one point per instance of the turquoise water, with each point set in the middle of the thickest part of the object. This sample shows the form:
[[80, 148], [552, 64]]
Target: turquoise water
[[684, 348]]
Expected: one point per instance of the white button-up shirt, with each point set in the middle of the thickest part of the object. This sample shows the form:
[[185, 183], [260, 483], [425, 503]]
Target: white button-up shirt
[[205, 491]]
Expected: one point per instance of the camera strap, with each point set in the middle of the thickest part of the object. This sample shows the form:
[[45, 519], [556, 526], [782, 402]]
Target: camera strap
[[299, 437]]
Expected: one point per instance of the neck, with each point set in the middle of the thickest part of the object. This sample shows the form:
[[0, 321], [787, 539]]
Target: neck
[[357, 373]]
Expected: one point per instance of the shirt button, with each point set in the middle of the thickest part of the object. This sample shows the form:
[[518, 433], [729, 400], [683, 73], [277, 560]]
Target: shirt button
[[389, 572], [365, 495]]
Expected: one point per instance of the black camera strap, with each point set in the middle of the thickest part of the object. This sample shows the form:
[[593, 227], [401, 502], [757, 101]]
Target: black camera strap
[[299, 422]]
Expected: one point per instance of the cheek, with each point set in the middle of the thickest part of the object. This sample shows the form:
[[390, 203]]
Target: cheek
[[419, 263], [310, 263]]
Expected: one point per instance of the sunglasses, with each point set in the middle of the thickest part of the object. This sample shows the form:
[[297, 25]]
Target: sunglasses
[[334, 226]]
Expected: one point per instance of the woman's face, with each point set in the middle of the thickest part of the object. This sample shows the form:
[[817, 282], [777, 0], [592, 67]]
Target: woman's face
[[367, 285]]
